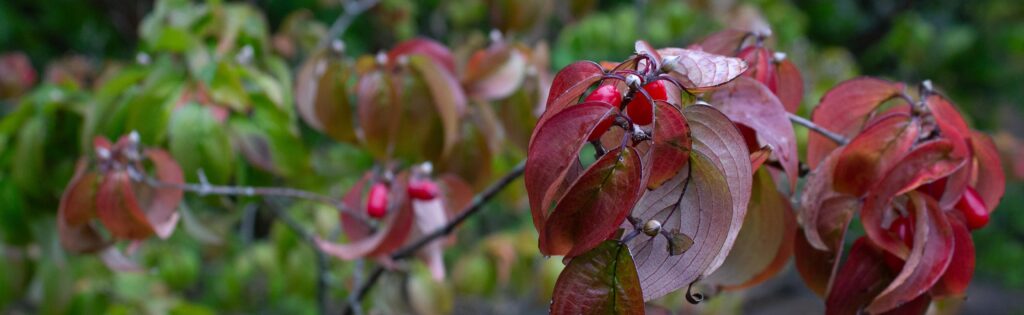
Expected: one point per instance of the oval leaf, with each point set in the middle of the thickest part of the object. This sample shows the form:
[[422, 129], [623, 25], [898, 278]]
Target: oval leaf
[[321, 97], [790, 85], [77, 207], [448, 97], [697, 70], [872, 152], [749, 102], [765, 242], [118, 209], [568, 85], [860, 278], [594, 206], [670, 145], [601, 281], [554, 149], [161, 204], [843, 110], [961, 267], [989, 177]]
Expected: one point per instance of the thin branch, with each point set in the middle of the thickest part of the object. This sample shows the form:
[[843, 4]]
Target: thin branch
[[205, 188], [322, 275], [353, 8], [409, 250], [837, 138]]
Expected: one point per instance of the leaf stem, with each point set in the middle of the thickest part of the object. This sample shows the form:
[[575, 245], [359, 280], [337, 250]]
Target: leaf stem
[[835, 137]]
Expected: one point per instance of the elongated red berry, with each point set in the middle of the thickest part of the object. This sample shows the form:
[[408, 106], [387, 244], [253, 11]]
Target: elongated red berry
[[903, 228], [422, 189], [377, 201], [608, 94], [639, 109], [973, 209]]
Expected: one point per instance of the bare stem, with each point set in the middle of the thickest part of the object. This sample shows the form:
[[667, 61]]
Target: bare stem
[[837, 138], [409, 250], [205, 188]]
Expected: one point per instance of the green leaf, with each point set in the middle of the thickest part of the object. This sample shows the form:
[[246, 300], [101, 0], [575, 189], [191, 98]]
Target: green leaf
[[601, 281], [198, 141]]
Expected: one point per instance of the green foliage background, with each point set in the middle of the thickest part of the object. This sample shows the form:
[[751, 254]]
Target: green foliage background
[[230, 256]]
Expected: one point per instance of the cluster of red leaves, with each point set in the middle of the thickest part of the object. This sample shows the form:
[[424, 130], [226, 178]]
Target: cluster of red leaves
[[111, 187], [684, 180], [905, 168], [406, 216]]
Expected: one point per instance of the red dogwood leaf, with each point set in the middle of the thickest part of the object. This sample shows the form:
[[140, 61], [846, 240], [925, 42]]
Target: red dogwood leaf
[[749, 102], [706, 201], [961, 267], [427, 47], [494, 73], [77, 207], [118, 209], [697, 70], [354, 228], [449, 99], [161, 204], [378, 110], [926, 163], [843, 109], [554, 148], [765, 243], [670, 147], [872, 152], [817, 192], [790, 85], [595, 205], [932, 253], [568, 85], [989, 177], [725, 42], [695, 203], [601, 281], [860, 278], [952, 127], [757, 158], [321, 96]]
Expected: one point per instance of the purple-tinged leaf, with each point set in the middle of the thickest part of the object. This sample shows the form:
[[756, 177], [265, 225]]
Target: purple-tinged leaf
[[749, 102], [321, 97], [161, 204], [670, 145], [961, 267], [426, 47], [789, 85], [697, 70]]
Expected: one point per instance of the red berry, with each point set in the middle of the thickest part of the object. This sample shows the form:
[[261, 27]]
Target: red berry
[[377, 201], [973, 208], [422, 189], [641, 111], [903, 227], [608, 94]]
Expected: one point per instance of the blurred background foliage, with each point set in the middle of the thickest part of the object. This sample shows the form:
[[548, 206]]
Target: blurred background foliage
[[106, 67]]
